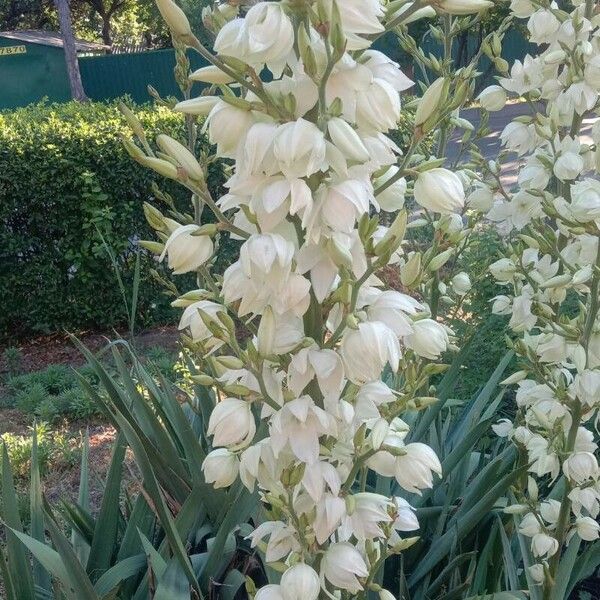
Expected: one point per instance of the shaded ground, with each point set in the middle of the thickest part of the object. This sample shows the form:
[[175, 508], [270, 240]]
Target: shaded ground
[[61, 479], [37, 353]]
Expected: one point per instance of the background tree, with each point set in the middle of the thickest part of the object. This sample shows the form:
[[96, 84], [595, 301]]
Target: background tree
[[66, 30]]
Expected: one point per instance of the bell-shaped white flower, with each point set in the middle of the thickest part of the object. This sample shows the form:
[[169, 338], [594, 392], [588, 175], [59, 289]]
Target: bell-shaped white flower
[[543, 25], [258, 464], [264, 36], [299, 148], [368, 399], [543, 545], [585, 200], [391, 198], [220, 467], [187, 252], [406, 519], [367, 349], [440, 190], [360, 17], [587, 528], [330, 511], [232, 423], [383, 67], [581, 466], [300, 582], [227, 128], [587, 387], [192, 320], [326, 365], [492, 98], [282, 539], [269, 592], [428, 338], [461, 283], [299, 424], [343, 566], [378, 107], [368, 511], [414, 468], [391, 308]]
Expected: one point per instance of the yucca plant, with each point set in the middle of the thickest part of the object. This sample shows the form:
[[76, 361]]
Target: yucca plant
[[175, 538], [459, 535], [180, 538]]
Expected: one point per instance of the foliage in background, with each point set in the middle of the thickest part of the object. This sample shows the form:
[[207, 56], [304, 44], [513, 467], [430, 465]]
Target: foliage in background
[[65, 185], [187, 534], [50, 394], [194, 534], [108, 21], [56, 449]]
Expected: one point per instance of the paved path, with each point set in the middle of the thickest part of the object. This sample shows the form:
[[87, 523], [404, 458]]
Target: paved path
[[490, 146]]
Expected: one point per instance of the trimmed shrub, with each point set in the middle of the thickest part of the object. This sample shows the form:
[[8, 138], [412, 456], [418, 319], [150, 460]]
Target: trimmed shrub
[[66, 184], [69, 191]]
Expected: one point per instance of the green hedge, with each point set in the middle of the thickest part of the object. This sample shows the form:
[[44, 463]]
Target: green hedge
[[64, 177]]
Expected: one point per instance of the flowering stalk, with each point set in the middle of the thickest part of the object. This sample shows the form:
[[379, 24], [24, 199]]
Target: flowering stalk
[[303, 412], [552, 272]]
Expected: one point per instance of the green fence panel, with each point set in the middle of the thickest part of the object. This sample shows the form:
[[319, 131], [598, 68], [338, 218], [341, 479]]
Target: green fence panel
[[114, 75], [31, 72]]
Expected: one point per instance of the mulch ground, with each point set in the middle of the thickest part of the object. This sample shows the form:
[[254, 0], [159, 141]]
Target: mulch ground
[[37, 353]]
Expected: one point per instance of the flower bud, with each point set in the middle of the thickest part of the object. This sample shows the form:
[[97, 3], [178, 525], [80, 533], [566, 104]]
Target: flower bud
[[438, 261], [211, 74], [175, 18], [345, 138], [462, 7], [516, 509], [379, 432], [199, 106], [266, 333], [162, 167], [181, 155], [432, 100], [132, 120], [409, 273]]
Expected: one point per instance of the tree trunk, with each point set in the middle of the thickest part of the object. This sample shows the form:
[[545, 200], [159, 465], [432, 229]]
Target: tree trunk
[[106, 29], [66, 30]]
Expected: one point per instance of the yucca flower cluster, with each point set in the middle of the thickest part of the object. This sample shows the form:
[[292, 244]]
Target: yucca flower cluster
[[552, 276], [304, 414]]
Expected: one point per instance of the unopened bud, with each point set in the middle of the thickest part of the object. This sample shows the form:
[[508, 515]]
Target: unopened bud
[[175, 18], [181, 155]]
